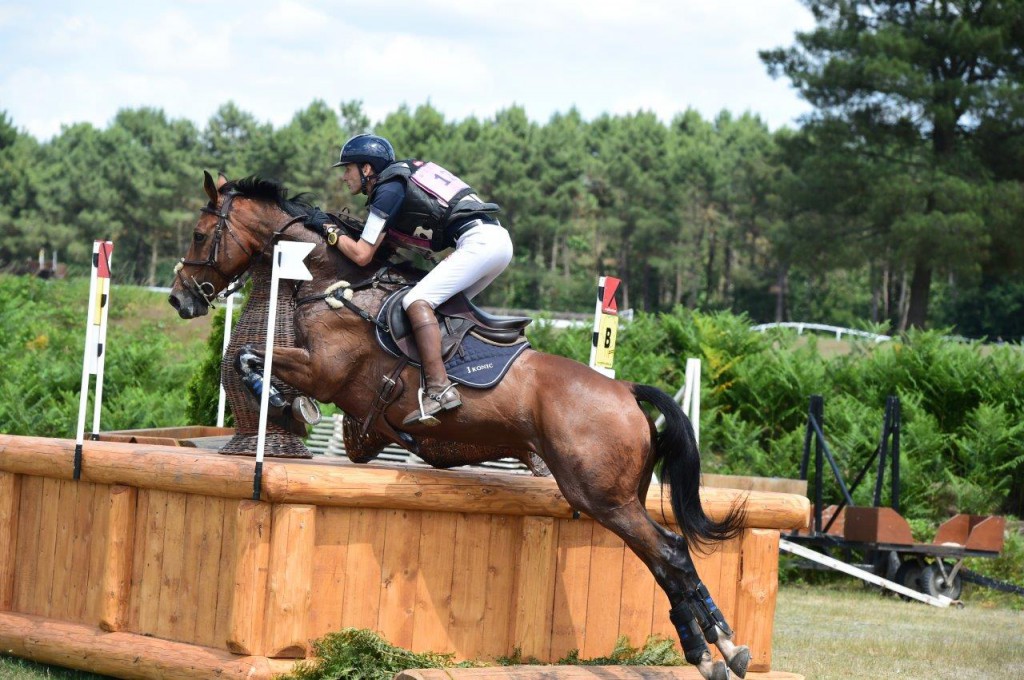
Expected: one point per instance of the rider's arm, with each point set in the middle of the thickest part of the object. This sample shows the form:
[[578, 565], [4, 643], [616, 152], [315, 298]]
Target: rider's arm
[[362, 251], [387, 201]]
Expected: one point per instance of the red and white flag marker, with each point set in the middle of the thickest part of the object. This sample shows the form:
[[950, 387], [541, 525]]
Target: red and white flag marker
[[606, 326], [288, 264], [95, 344]]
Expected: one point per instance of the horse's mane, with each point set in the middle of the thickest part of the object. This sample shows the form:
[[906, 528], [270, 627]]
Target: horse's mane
[[263, 189], [259, 188]]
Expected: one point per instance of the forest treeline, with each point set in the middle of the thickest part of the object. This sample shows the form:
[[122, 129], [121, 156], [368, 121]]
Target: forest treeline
[[897, 203]]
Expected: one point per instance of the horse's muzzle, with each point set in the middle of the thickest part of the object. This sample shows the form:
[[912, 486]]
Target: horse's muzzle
[[188, 305]]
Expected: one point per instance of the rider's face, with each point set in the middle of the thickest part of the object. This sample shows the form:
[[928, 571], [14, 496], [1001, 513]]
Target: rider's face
[[352, 178]]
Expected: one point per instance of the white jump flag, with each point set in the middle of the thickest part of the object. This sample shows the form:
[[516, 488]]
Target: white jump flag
[[606, 326], [288, 264], [95, 344]]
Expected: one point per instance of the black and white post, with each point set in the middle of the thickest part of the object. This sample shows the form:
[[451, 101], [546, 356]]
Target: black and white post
[[95, 345]]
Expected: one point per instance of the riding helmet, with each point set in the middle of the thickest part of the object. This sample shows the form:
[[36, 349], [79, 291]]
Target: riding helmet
[[370, 149]]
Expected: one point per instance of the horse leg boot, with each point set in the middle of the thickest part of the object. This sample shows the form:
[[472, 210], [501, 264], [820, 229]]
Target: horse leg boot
[[695, 649], [718, 632], [439, 394]]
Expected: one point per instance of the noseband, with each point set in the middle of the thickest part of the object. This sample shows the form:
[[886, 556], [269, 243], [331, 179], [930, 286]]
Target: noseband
[[205, 289]]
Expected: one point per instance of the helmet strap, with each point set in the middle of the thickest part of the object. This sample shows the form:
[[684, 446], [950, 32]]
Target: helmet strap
[[364, 179]]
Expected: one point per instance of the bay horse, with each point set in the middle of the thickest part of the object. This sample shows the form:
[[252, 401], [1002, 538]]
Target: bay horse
[[590, 431]]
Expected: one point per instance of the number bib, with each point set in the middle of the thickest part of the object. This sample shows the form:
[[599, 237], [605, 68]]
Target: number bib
[[438, 182]]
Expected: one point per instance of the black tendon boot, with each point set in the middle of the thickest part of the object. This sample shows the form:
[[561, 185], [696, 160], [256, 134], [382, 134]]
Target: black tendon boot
[[695, 649], [718, 632]]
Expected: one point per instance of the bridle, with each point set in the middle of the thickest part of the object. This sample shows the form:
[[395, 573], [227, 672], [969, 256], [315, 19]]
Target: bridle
[[205, 289]]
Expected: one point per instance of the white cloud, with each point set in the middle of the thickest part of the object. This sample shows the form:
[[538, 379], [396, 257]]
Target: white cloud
[[72, 61]]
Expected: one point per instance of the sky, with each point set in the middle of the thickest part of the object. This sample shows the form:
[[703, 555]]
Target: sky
[[72, 61]]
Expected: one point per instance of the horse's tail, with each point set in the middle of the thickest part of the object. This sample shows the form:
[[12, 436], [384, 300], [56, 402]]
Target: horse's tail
[[676, 445]]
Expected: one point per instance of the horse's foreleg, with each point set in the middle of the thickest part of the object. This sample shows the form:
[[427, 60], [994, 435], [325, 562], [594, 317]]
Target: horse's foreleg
[[291, 365]]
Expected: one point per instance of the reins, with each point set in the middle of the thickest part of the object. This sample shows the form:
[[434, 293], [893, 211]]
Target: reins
[[339, 295]]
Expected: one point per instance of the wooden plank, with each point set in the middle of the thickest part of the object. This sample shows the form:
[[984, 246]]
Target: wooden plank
[[605, 593], [85, 591], [251, 560], [212, 562], [146, 591], [572, 583], [66, 572], [362, 569], [636, 610], [469, 583], [138, 558], [289, 581], [10, 498], [534, 593], [226, 575], [169, 609], [27, 566], [572, 673], [329, 559], [434, 585], [184, 627], [117, 565], [499, 619], [49, 515], [755, 597], [399, 573]]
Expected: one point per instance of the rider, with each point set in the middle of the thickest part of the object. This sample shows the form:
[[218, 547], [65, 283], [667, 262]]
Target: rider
[[423, 207]]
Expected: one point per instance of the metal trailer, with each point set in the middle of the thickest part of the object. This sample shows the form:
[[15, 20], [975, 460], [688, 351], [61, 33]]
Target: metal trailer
[[878, 539]]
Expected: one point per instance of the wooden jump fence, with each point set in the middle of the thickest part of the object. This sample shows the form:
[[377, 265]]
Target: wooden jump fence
[[158, 564]]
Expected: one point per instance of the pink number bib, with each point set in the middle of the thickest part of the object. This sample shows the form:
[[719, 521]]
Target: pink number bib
[[438, 182]]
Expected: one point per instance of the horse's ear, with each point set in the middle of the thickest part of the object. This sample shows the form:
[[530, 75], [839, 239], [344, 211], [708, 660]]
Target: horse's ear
[[209, 187], [221, 180]]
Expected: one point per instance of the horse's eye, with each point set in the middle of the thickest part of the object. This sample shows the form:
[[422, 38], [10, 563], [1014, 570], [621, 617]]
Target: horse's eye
[[199, 237]]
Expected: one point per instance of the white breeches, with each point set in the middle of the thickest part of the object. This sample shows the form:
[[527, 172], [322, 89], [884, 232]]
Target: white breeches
[[480, 255]]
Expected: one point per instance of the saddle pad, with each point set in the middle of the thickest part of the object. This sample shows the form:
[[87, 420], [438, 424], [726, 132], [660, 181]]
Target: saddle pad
[[476, 364]]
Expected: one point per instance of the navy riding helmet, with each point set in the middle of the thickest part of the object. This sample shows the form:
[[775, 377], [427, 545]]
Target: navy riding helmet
[[370, 149]]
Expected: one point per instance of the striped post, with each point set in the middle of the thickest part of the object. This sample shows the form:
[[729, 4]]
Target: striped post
[[606, 325], [95, 344]]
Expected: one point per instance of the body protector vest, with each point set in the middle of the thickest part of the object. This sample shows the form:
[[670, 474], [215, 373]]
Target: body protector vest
[[434, 199]]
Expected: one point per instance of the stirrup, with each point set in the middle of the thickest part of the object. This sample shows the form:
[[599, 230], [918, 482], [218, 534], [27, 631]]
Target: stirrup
[[428, 419]]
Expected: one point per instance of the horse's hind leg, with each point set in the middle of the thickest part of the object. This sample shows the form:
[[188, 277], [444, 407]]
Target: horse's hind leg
[[665, 554], [700, 609]]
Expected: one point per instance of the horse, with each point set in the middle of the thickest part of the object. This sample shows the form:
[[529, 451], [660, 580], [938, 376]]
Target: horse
[[590, 431]]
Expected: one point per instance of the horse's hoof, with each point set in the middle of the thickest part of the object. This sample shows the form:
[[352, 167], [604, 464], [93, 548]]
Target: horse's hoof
[[740, 660], [720, 671]]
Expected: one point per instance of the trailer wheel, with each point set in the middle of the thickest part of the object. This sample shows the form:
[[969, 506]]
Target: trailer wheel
[[934, 583], [909, 576]]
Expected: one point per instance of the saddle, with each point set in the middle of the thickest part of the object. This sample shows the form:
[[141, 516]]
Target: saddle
[[457, 318]]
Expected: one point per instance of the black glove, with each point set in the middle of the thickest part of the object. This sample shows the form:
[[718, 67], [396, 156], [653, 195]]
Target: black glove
[[316, 221]]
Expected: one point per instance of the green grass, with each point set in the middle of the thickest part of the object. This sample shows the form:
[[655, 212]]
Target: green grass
[[843, 631], [851, 633]]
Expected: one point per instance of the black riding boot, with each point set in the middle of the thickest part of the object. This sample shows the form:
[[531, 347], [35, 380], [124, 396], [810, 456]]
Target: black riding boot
[[440, 394]]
